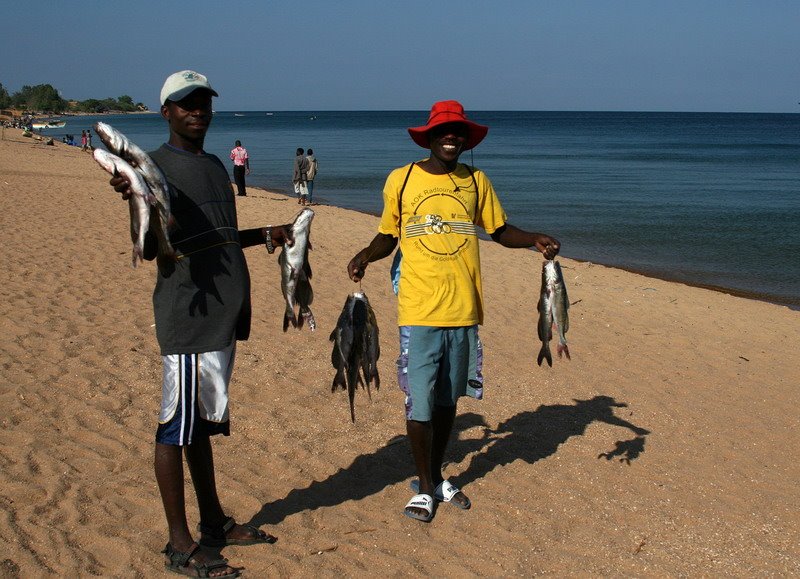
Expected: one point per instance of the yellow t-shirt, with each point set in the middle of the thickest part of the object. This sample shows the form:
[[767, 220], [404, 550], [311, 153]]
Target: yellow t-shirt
[[440, 277]]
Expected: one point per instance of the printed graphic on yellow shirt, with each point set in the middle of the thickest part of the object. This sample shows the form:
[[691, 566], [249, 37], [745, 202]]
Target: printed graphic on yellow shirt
[[456, 223]]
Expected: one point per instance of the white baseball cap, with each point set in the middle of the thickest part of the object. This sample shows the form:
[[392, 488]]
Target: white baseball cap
[[180, 84]]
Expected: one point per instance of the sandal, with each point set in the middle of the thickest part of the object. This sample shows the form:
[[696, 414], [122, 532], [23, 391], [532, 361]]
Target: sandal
[[444, 493], [185, 564], [217, 536], [421, 501]]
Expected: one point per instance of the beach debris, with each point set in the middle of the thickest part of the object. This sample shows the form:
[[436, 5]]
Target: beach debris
[[356, 348], [154, 178], [553, 306], [139, 203], [640, 546], [296, 273]]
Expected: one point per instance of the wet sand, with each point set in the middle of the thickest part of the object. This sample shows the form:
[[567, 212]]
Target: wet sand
[[665, 447]]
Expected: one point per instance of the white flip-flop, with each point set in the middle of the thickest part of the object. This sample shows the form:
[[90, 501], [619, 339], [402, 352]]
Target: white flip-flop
[[421, 501], [444, 493]]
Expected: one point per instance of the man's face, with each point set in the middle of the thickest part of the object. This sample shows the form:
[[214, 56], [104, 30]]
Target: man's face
[[191, 116], [447, 141]]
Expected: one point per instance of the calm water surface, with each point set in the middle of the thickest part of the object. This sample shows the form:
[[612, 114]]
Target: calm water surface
[[702, 198]]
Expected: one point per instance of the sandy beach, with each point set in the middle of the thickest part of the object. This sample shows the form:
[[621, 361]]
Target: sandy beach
[[667, 446]]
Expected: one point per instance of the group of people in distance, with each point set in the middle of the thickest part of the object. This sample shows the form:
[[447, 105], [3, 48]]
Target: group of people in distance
[[86, 140], [440, 306], [305, 169]]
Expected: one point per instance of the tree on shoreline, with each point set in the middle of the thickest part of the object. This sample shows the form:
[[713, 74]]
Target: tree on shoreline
[[42, 97], [5, 99], [45, 98]]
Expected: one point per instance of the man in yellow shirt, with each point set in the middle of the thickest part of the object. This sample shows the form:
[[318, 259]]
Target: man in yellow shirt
[[433, 207]]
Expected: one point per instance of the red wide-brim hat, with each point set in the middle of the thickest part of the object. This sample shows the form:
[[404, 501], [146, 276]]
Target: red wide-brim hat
[[448, 112]]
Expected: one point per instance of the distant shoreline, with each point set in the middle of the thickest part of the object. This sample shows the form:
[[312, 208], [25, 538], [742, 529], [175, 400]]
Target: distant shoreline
[[85, 114], [15, 113], [791, 303]]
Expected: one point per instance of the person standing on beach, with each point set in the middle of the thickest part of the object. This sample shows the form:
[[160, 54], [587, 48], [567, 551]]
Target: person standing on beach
[[202, 307], [310, 174], [89, 141], [433, 207], [241, 166], [300, 176], [84, 140]]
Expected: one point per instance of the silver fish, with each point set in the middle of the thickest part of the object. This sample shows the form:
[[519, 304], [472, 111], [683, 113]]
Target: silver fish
[[553, 306], [139, 203], [296, 272], [356, 348], [123, 147]]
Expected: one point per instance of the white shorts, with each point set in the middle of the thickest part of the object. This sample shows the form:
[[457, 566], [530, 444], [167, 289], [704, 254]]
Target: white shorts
[[194, 395], [300, 188]]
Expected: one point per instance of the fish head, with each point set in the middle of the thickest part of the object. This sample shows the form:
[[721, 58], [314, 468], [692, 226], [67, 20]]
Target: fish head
[[106, 160], [303, 219], [358, 315], [103, 130], [109, 135], [550, 271]]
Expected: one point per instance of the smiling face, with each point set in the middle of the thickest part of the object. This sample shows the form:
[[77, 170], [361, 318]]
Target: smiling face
[[189, 119], [447, 142]]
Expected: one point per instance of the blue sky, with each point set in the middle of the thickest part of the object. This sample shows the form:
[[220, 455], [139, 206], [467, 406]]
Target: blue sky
[[638, 55]]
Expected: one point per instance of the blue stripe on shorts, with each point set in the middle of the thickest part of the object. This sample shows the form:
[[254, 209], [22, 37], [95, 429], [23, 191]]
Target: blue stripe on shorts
[[186, 423]]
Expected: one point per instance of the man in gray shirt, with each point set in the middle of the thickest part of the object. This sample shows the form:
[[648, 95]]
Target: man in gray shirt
[[300, 176], [202, 307]]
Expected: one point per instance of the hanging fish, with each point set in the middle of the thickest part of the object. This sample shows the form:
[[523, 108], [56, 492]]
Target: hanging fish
[[123, 147], [553, 306], [296, 273], [139, 203], [356, 348]]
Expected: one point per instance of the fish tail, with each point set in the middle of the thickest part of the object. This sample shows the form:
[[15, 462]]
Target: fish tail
[[338, 381], [167, 253], [351, 392], [137, 255], [365, 384], [544, 354], [287, 319], [309, 318], [563, 349]]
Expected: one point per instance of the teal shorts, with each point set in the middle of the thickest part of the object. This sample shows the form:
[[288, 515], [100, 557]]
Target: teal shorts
[[437, 366]]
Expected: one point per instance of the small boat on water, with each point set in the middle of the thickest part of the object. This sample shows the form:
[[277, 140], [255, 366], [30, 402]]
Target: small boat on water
[[48, 124]]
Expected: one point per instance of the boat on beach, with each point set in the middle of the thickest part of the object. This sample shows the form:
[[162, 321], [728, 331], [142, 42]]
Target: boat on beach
[[48, 124]]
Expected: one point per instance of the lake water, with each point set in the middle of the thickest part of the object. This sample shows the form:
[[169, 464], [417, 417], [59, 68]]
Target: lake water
[[702, 198]]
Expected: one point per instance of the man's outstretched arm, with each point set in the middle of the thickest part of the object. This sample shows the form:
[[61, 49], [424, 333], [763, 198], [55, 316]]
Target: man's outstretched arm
[[514, 237], [381, 246]]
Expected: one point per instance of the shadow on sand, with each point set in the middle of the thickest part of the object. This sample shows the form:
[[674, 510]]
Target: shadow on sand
[[530, 436]]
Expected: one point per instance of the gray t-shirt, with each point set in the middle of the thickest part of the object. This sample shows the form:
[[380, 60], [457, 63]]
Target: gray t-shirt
[[202, 300]]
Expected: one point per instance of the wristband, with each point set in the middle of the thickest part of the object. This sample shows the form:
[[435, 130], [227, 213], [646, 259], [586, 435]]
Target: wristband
[[268, 240]]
